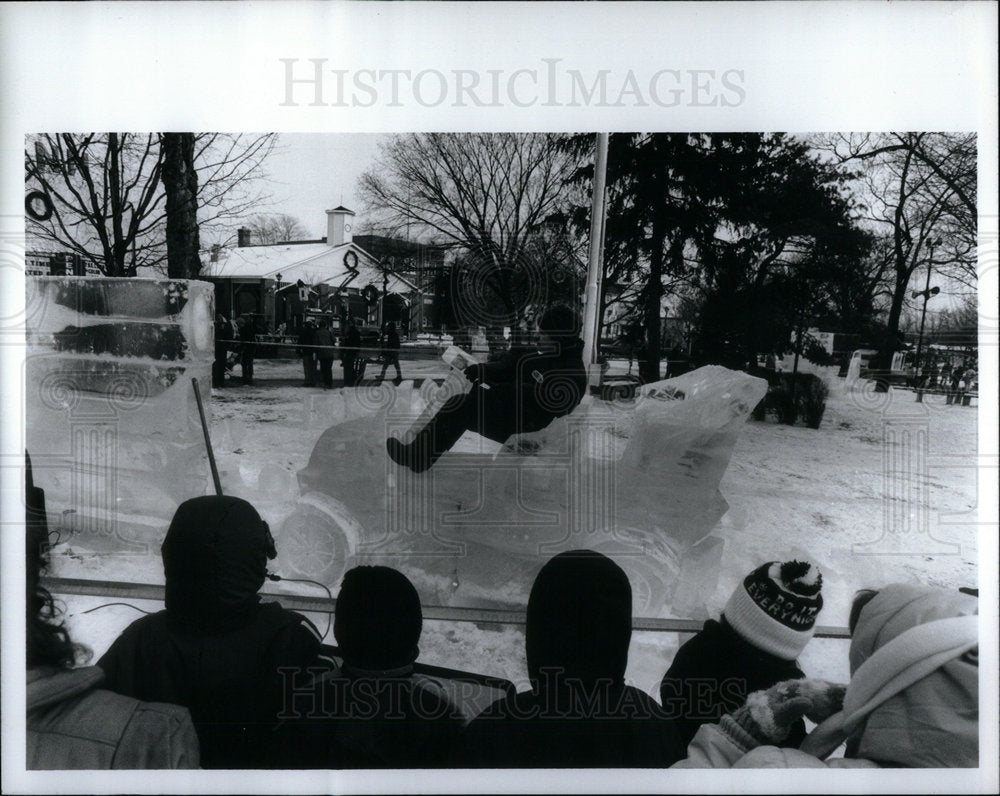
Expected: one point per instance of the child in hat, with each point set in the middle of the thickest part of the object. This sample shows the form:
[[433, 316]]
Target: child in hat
[[764, 627]]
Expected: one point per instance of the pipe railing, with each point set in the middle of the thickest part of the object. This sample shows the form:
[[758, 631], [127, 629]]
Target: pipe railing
[[122, 590]]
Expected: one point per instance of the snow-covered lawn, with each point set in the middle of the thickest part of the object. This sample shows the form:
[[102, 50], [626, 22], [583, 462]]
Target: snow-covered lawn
[[884, 491]]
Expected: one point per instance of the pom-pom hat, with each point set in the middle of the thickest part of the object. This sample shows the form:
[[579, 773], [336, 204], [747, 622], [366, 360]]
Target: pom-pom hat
[[775, 607]]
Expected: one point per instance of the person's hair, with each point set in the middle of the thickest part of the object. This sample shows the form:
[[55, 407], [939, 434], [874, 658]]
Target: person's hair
[[47, 641], [861, 599], [560, 321]]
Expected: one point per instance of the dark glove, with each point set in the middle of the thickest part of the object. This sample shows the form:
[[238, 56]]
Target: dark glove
[[474, 373], [769, 715]]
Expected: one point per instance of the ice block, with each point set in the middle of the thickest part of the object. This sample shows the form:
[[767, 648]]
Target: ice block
[[112, 423]]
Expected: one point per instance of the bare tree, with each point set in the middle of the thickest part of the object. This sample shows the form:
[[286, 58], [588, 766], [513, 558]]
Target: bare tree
[[103, 196], [270, 229], [487, 194], [921, 190]]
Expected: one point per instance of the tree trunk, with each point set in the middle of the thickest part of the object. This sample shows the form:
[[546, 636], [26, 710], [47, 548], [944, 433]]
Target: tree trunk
[[180, 182]]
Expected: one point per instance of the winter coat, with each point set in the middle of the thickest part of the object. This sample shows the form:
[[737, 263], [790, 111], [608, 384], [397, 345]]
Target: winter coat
[[307, 337], [615, 727], [713, 672], [579, 712], [391, 342], [367, 719], [913, 699], [324, 337], [248, 338], [75, 724], [216, 649], [528, 389], [351, 343]]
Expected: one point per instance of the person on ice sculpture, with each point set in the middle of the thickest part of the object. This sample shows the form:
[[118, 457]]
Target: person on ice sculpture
[[525, 391]]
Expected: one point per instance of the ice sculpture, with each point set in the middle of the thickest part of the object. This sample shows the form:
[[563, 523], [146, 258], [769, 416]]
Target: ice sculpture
[[636, 480], [112, 423]]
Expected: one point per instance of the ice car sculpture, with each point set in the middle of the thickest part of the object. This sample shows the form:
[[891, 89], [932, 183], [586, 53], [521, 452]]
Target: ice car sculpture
[[637, 480]]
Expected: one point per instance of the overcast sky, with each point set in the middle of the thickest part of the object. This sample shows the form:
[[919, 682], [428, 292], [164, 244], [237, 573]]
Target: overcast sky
[[309, 173]]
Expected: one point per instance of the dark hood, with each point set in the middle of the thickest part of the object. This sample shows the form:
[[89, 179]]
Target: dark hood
[[579, 618], [214, 559]]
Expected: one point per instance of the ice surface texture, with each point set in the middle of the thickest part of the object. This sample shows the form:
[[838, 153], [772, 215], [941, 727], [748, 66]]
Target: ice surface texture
[[637, 480], [112, 423]]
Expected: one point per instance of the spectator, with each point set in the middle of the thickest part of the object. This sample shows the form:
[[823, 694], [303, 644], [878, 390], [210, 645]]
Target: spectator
[[248, 348], [72, 723], [216, 649], [326, 349], [373, 712], [579, 711], [767, 622], [390, 352], [223, 334], [307, 339], [523, 392], [350, 354], [913, 699]]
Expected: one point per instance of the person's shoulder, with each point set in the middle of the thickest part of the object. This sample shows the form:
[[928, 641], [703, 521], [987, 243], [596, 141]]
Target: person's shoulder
[[279, 622]]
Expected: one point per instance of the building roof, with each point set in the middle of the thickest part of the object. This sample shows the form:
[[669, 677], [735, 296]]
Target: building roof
[[313, 263]]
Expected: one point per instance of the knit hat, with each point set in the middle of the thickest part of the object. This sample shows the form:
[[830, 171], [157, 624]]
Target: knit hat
[[775, 607], [378, 619]]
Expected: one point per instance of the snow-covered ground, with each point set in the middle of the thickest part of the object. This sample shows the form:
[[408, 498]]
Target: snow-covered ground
[[884, 491]]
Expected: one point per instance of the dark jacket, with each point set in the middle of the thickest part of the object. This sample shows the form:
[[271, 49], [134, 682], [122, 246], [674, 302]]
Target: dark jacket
[[75, 724], [391, 342], [528, 389], [367, 719], [351, 343], [712, 674], [324, 337], [217, 648], [223, 332], [579, 712], [248, 338], [307, 337]]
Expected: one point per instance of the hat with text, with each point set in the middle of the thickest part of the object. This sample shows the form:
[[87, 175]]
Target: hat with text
[[775, 607]]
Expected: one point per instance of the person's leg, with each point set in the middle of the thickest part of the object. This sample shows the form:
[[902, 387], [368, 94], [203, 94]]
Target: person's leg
[[436, 438], [328, 373], [395, 362], [308, 371]]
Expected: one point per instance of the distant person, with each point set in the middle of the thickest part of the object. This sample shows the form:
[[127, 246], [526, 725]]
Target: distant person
[[307, 339], [326, 351], [390, 351], [216, 649], [350, 354], [373, 712], [73, 723], [223, 334], [248, 349], [579, 711], [912, 702], [956, 387], [523, 392], [765, 625]]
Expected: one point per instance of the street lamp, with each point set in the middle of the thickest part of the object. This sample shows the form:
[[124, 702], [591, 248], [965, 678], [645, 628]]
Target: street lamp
[[927, 292]]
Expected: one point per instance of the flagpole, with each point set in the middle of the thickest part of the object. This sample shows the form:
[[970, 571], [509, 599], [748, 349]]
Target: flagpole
[[592, 300]]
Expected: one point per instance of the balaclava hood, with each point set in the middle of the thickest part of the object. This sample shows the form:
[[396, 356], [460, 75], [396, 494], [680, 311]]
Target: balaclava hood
[[214, 559]]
